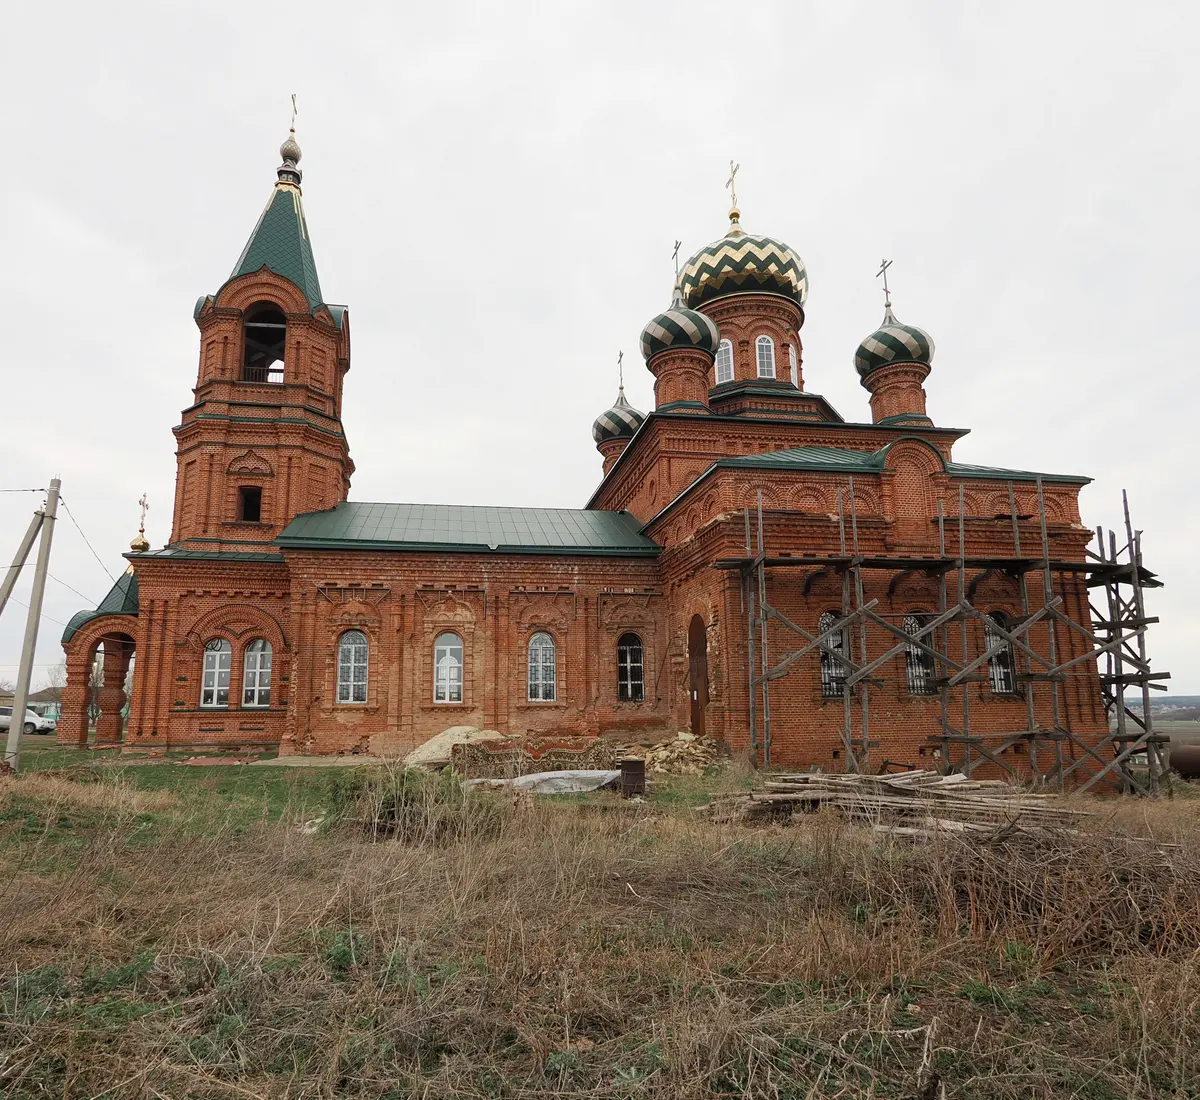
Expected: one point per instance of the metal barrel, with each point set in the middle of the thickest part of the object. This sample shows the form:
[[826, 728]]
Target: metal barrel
[[633, 776], [1185, 759]]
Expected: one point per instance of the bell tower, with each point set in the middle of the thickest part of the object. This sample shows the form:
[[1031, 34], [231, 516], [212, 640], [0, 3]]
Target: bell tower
[[262, 440]]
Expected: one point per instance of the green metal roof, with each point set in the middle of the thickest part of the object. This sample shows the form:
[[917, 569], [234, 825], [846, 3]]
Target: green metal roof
[[280, 243], [839, 460], [122, 599], [183, 553], [469, 529]]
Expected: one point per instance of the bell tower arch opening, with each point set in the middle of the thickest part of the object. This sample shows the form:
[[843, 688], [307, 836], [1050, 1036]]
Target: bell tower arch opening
[[264, 339]]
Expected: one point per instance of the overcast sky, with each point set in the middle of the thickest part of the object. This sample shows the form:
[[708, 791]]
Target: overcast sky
[[494, 190]]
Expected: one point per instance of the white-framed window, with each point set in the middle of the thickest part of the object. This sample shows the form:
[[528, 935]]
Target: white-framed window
[[1002, 670], [794, 363], [214, 684], [352, 667], [764, 348], [543, 669], [256, 674], [631, 676], [447, 669], [919, 665], [724, 362], [833, 670]]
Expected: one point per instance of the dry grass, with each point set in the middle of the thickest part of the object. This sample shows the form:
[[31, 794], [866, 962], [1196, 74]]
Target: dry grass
[[592, 949]]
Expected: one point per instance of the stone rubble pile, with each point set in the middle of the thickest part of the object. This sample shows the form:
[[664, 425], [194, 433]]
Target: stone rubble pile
[[685, 754]]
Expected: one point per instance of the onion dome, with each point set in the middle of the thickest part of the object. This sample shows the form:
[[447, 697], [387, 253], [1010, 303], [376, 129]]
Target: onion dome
[[619, 422], [891, 343], [679, 327], [740, 263]]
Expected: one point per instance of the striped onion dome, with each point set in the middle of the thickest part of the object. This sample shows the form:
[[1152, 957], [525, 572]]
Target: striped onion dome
[[679, 327], [740, 263], [893, 342], [619, 422]]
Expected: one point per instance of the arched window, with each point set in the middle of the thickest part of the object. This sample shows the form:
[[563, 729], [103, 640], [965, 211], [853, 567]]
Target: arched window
[[543, 670], [256, 674], [794, 363], [764, 347], [352, 667], [264, 337], [448, 669], [631, 678], [1001, 668], [724, 362], [920, 666], [214, 684], [833, 671]]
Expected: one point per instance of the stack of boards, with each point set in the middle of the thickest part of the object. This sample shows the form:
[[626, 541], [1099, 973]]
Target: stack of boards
[[916, 804]]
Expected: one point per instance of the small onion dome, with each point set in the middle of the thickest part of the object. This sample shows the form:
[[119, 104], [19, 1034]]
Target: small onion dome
[[619, 422], [290, 149], [679, 327], [893, 342], [743, 264]]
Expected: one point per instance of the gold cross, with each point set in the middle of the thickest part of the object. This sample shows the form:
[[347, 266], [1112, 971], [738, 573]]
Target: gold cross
[[731, 183], [293, 112], [621, 368], [145, 506], [883, 266], [675, 256]]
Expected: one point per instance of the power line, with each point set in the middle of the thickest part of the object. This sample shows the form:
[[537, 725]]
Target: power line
[[44, 616], [72, 588], [89, 545], [22, 490]]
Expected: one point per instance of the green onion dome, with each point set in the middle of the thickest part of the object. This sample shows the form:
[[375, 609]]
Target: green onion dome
[[893, 342], [619, 422], [679, 327], [740, 263]]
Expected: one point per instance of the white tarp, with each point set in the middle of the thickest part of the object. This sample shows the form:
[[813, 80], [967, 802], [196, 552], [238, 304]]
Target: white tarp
[[567, 782]]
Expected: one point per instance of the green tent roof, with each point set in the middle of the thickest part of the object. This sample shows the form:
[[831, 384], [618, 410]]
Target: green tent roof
[[122, 599], [469, 529], [281, 244]]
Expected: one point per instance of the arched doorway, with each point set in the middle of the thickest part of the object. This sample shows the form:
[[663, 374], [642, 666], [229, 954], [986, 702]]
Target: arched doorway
[[99, 661], [698, 672]]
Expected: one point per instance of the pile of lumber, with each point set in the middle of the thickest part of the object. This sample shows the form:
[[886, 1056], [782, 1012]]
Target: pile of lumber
[[917, 804]]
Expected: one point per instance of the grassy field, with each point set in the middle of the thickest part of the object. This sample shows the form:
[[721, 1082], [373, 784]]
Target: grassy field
[[173, 931]]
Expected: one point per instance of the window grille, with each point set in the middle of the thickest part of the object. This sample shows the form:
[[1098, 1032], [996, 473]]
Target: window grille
[[833, 671], [543, 674], [724, 362], [920, 666], [448, 669], [1001, 667], [352, 667], [631, 681], [765, 349], [256, 674], [214, 684]]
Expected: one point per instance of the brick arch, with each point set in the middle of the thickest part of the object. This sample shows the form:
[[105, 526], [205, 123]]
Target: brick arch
[[92, 633], [808, 498], [262, 286], [769, 496], [77, 693], [238, 623]]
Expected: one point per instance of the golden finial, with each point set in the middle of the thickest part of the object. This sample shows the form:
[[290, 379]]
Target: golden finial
[[141, 544]]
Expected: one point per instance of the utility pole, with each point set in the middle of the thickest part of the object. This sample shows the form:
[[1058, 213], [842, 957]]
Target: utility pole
[[12, 753], [14, 570]]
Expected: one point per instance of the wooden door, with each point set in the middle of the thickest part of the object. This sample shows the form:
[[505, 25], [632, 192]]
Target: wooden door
[[698, 672]]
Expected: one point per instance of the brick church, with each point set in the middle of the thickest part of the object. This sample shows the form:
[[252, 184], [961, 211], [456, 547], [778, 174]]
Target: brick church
[[282, 614]]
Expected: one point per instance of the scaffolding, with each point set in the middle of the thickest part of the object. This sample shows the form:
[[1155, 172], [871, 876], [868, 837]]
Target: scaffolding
[[1114, 661]]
